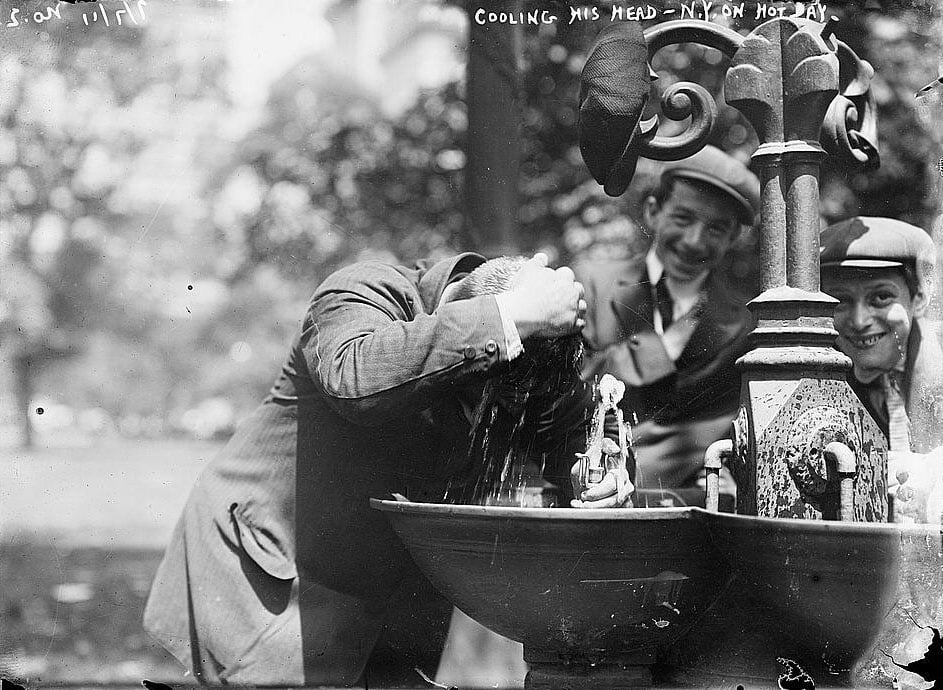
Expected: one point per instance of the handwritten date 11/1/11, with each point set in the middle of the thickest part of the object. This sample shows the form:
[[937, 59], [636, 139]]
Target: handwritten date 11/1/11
[[101, 13], [140, 4]]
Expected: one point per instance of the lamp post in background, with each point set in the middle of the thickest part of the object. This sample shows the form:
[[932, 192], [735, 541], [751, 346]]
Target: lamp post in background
[[493, 144]]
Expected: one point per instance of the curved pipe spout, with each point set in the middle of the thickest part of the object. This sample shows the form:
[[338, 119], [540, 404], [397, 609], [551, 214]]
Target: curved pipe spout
[[714, 458], [843, 459]]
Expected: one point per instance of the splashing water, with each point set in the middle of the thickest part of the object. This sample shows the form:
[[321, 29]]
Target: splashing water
[[508, 452], [506, 455]]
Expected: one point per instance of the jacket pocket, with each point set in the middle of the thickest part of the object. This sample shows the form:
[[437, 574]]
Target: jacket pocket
[[261, 547]]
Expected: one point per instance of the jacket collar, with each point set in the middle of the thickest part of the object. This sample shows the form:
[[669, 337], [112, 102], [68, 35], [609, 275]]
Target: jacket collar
[[632, 304], [433, 277]]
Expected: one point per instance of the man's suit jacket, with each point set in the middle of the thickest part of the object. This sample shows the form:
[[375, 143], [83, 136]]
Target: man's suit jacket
[[683, 411], [365, 405]]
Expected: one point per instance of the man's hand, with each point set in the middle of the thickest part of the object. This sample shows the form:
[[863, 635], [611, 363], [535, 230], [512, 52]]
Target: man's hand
[[614, 491], [916, 482], [543, 302]]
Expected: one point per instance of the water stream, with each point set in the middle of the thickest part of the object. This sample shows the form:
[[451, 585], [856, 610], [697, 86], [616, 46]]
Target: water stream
[[524, 429]]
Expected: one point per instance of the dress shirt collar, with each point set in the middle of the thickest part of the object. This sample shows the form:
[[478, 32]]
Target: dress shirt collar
[[684, 295]]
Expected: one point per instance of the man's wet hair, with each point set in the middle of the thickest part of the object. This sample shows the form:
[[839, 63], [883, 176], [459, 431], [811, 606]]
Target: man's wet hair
[[514, 404]]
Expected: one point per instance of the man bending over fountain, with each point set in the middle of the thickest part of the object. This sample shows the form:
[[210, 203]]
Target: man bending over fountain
[[279, 572], [882, 273], [665, 322]]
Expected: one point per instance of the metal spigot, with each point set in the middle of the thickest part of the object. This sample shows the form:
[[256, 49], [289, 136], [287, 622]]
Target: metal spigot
[[717, 453], [846, 466]]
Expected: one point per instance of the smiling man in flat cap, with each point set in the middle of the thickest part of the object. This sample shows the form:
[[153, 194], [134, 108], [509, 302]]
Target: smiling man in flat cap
[[881, 271], [664, 323]]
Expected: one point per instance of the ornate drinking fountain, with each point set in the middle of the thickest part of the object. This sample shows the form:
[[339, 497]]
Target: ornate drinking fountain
[[804, 569]]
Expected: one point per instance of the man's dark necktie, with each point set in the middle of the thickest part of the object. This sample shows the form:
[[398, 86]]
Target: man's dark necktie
[[664, 304]]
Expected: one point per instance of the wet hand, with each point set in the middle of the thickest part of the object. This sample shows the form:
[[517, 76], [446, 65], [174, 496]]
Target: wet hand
[[545, 303], [614, 491]]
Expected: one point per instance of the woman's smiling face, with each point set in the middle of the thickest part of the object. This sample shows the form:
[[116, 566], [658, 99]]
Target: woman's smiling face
[[873, 318]]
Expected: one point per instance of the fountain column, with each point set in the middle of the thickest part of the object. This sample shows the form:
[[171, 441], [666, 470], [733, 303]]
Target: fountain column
[[795, 399], [789, 77]]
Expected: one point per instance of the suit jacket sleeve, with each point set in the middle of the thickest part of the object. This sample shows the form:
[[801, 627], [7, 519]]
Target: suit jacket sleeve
[[374, 352]]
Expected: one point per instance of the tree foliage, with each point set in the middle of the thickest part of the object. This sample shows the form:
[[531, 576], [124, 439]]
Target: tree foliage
[[172, 296], [91, 253], [63, 148], [355, 184], [326, 179]]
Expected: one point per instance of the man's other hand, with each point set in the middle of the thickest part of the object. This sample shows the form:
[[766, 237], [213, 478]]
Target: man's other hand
[[614, 491], [543, 302]]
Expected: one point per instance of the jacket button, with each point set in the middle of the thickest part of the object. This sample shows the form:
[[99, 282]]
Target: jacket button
[[469, 352], [491, 347], [634, 340]]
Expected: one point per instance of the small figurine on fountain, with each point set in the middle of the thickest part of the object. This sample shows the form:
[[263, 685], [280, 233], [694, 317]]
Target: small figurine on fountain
[[601, 475]]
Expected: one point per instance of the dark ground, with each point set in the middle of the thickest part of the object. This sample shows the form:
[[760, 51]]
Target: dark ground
[[82, 529], [74, 615], [83, 526]]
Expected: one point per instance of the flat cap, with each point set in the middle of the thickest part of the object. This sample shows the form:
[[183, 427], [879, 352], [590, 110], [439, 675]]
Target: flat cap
[[868, 242], [718, 169], [614, 88]]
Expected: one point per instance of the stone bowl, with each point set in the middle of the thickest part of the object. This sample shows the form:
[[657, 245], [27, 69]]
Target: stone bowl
[[574, 586], [829, 595], [709, 594]]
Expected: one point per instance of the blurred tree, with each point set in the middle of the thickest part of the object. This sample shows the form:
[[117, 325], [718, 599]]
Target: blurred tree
[[309, 198], [306, 199], [324, 180], [904, 49], [378, 179], [82, 111], [493, 141], [63, 149]]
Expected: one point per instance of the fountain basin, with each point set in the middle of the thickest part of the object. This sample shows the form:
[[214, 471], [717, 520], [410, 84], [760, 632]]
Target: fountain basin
[[830, 583], [827, 594], [708, 594], [575, 586]]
